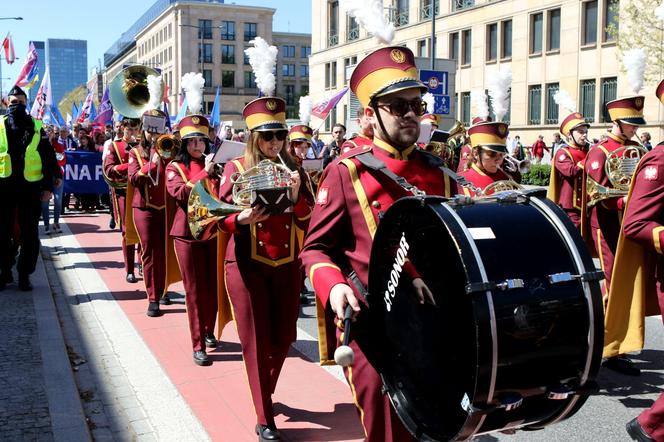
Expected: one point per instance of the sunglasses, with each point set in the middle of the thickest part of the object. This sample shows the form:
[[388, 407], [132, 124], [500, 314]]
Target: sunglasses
[[400, 107], [279, 134]]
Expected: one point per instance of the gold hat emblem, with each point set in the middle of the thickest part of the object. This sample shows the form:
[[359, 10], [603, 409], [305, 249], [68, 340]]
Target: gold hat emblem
[[305, 130], [195, 120], [638, 102], [397, 56], [502, 129], [271, 105]]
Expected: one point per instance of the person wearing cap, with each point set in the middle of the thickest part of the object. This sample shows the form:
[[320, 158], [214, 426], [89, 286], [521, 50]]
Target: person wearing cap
[[485, 163], [638, 281], [262, 268], [27, 168], [115, 168], [151, 211], [605, 217], [364, 138], [465, 150], [349, 202], [197, 258], [567, 183]]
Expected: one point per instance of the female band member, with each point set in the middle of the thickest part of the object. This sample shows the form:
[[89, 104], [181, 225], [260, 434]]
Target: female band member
[[262, 266], [197, 259], [151, 217], [488, 153]]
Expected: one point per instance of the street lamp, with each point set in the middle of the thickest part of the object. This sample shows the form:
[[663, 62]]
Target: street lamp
[[11, 18]]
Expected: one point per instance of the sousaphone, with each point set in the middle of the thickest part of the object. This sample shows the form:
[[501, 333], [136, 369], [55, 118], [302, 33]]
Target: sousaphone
[[129, 93]]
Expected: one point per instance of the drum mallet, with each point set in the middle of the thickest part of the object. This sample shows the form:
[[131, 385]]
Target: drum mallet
[[344, 355]]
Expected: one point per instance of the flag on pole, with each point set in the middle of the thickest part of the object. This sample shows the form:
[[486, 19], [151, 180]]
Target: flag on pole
[[182, 112], [57, 114], [74, 111], [214, 115], [86, 107], [69, 119], [105, 109], [93, 113], [44, 98], [322, 109], [29, 69], [8, 44]]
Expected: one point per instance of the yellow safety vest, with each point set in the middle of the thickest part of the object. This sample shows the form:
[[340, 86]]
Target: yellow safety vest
[[32, 170]]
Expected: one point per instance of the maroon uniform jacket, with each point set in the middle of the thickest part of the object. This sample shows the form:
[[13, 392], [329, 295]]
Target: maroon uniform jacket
[[463, 158], [357, 141], [147, 195], [568, 163], [116, 163], [179, 182], [482, 179]]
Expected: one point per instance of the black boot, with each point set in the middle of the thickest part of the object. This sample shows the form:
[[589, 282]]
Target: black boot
[[24, 282], [131, 278], [154, 310], [165, 300], [267, 432], [636, 431], [623, 365], [210, 341], [201, 358]]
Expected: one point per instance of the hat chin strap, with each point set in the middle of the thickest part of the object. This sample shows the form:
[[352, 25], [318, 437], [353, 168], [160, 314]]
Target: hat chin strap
[[389, 139]]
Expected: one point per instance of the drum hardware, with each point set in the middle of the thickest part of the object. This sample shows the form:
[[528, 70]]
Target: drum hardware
[[557, 278], [344, 355], [563, 391], [508, 284], [505, 401]]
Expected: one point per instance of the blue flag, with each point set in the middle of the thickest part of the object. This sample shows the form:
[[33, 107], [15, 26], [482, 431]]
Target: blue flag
[[182, 112], [56, 113], [214, 116], [74, 111], [93, 112], [105, 110]]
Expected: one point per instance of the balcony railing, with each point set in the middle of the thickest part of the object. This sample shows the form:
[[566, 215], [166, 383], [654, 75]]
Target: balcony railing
[[333, 40], [425, 12], [353, 34], [399, 18], [458, 5]]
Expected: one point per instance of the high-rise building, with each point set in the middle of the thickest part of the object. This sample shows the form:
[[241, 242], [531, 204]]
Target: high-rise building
[[41, 67], [68, 64], [208, 36]]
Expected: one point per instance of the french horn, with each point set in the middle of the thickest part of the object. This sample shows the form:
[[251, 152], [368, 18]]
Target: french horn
[[619, 168]]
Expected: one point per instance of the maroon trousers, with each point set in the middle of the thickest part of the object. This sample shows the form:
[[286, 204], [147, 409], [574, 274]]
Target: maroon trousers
[[198, 266], [128, 251], [265, 304], [575, 216], [151, 229], [605, 227]]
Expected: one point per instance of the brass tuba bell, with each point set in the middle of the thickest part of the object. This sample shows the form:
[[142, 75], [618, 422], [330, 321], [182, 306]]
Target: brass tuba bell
[[203, 212], [128, 90]]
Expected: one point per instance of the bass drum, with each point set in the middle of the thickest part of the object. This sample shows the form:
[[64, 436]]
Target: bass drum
[[512, 335]]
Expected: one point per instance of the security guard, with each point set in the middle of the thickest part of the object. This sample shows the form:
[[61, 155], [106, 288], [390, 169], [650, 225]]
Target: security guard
[[27, 165]]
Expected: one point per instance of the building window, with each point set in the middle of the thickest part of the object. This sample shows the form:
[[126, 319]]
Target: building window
[[454, 46], [205, 29], [492, 42], [551, 105], [611, 14], [228, 54], [425, 9], [535, 104], [506, 40], [205, 52], [170, 53], [589, 33], [305, 51], [304, 70], [422, 50], [249, 80], [353, 29], [228, 30], [290, 94], [458, 5], [332, 74], [333, 23], [249, 31], [587, 100], [288, 70], [609, 93], [288, 51], [170, 31], [399, 14], [227, 78], [465, 108], [466, 47], [207, 76], [350, 61], [553, 34], [246, 57], [536, 27]]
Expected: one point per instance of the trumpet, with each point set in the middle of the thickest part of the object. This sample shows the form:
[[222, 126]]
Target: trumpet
[[167, 146], [512, 165]]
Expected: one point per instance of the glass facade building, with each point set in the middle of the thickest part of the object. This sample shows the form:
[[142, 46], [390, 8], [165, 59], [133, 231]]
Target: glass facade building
[[68, 62]]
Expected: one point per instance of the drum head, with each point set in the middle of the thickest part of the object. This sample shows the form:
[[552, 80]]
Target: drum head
[[428, 350]]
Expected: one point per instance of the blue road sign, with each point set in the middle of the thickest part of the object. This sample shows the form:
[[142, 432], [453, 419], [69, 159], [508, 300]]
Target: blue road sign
[[442, 104], [436, 81]]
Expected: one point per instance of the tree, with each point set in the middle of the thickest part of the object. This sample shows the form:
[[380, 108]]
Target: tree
[[639, 27], [75, 95]]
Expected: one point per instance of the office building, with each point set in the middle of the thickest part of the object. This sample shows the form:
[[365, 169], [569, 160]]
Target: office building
[[68, 64]]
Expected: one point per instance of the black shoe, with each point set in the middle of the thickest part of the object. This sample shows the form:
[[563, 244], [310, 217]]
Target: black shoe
[[24, 283], [636, 431], [131, 278], [304, 299], [153, 310], [165, 300], [211, 341], [623, 365], [111, 224], [201, 358], [264, 432]]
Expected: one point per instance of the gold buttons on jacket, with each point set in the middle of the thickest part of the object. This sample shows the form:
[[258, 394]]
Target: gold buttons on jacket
[[260, 243], [287, 226], [260, 225], [285, 246], [375, 205]]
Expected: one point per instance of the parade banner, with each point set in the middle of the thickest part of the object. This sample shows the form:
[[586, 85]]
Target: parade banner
[[322, 109], [83, 173]]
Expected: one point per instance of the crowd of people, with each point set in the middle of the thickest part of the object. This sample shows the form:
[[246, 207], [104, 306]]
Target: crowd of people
[[251, 265]]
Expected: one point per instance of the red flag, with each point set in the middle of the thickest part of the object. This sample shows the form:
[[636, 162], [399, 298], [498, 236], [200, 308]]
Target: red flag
[[8, 44], [323, 108]]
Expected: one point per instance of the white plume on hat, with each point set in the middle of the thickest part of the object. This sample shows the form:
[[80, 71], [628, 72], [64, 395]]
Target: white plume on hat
[[499, 91], [193, 83], [563, 98], [263, 58], [154, 88], [305, 109], [430, 100], [478, 100], [634, 61], [659, 11], [370, 15]]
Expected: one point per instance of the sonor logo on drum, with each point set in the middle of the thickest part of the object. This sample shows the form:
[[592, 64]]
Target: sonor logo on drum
[[395, 274]]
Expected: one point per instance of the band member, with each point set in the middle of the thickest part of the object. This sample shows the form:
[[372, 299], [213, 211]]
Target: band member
[[364, 138], [197, 258], [431, 119], [346, 214], [152, 214], [262, 268], [486, 161], [27, 166], [465, 150], [115, 168], [567, 185]]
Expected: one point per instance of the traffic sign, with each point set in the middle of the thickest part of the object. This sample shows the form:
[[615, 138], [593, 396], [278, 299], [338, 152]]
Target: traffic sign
[[436, 81], [441, 104]]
